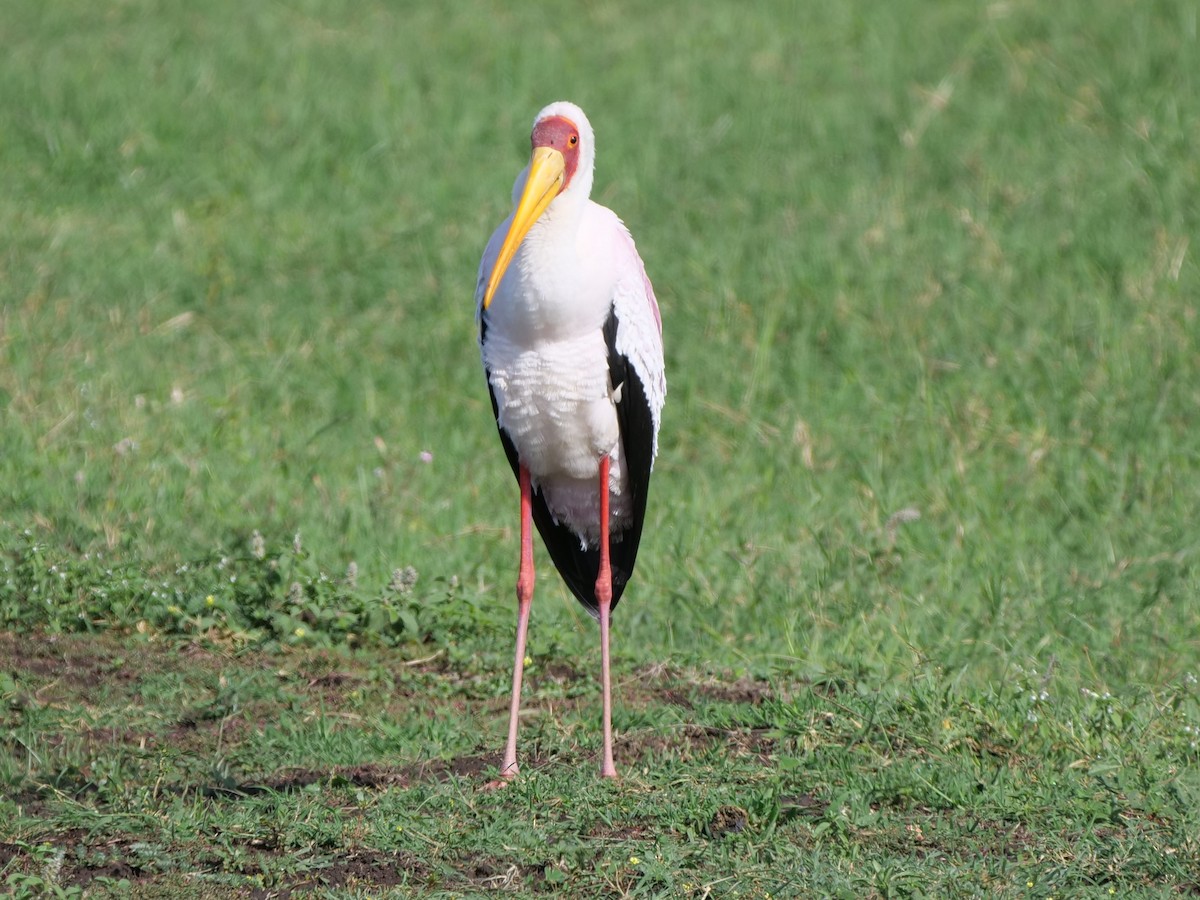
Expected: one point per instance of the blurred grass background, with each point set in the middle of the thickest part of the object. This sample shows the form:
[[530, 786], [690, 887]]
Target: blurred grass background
[[928, 283]]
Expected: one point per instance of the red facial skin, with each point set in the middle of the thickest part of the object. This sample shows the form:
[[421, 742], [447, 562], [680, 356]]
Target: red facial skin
[[560, 134]]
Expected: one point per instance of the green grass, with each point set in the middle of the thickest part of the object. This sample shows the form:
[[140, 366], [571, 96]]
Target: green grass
[[918, 609]]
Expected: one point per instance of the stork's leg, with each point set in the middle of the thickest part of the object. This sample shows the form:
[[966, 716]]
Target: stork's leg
[[508, 768], [604, 599]]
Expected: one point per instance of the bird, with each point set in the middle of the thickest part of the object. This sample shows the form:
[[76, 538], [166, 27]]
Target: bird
[[570, 337]]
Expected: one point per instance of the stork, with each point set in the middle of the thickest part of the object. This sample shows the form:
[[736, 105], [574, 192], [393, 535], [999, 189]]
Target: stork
[[571, 341]]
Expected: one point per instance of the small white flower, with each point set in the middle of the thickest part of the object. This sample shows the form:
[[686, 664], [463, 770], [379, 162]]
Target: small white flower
[[403, 580]]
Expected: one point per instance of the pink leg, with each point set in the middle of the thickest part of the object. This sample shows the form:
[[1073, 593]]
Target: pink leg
[[508, 768], [604, 599]]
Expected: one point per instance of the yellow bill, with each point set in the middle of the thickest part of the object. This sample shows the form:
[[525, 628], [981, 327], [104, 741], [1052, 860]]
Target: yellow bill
[[547, 171]]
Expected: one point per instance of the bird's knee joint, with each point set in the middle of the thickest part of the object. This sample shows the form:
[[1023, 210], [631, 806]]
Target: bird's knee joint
[[604, 589]]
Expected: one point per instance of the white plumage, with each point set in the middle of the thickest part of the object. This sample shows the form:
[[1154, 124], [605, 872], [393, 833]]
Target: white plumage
[[571, 341], [546, 357]]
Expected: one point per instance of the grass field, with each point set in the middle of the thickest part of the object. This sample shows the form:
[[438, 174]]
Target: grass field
[[918, 607]]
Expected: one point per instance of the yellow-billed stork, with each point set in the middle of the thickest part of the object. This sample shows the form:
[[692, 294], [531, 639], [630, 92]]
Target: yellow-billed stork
[[571, 341]]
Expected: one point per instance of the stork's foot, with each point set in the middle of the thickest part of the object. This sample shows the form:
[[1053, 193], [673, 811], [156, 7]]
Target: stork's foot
[[609, 771], [506, 776]]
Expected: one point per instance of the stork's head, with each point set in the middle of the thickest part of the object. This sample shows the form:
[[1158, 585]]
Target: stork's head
[[560, 166]]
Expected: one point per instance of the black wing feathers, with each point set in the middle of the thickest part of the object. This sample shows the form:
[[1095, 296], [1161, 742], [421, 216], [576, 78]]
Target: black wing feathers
[[637, 448]]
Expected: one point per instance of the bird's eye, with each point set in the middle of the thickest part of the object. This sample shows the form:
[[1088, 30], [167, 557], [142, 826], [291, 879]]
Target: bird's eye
[[573, 140]]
